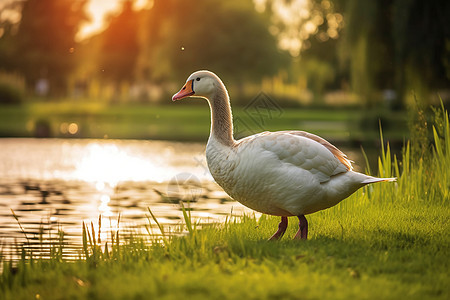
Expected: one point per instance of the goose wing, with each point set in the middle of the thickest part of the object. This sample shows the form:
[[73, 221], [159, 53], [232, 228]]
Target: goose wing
[[335, 151], [298, 149]]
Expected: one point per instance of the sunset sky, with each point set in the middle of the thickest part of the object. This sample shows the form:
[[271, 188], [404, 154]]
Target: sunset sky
[[98, 9]]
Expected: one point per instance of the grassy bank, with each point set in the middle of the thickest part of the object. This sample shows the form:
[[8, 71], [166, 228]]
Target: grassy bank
[[387, 241], [189, 122], [374, 254]]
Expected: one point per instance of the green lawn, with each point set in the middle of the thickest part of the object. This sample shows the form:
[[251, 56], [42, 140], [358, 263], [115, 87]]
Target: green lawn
[[176, 121], [387, 241]]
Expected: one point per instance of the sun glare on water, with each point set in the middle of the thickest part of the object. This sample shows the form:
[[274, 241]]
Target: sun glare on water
[[106, 165], [109, 164]]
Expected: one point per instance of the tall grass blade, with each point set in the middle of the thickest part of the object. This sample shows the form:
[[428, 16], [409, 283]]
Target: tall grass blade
[[85, 241], [20, 226], [366, 159], [99, 229], [161, 228], [187, 218]]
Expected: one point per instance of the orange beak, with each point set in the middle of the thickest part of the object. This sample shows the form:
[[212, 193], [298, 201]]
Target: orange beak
[[186, 91]]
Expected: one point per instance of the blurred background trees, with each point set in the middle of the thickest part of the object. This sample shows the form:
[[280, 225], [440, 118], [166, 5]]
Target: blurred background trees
[[119, 47], [305, 51], [42, 43], [403, 45]]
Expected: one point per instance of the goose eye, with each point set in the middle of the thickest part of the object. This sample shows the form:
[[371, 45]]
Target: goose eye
[[198, 79]]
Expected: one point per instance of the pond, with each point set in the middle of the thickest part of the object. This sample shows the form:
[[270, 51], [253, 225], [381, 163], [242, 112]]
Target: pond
[[54, 185]]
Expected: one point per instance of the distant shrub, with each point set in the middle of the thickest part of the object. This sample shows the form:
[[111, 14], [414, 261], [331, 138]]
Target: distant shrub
[[12, 88]]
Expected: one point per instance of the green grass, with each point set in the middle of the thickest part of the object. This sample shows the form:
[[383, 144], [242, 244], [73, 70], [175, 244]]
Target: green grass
[[387, 241], [176, 121]]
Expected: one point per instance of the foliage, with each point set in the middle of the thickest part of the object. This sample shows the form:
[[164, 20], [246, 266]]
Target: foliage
[[146, 51], [321, 73], [420, 135], [362, 46], [6, 38], [188, 37], [12, 88], [45, 40], [119, 47], [297, 24], [396, 44]]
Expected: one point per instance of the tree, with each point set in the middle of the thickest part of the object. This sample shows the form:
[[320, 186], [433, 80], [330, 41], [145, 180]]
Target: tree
[[296, 22], [399, 44], [7, 28], [227, 37], [45, 40], [309, 30], [421, 45], [119, 46]]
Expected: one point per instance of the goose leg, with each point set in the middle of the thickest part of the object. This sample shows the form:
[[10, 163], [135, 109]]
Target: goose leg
[[302, 232], [281, 229]]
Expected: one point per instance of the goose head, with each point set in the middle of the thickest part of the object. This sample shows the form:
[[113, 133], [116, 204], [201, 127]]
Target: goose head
[[199, 84]]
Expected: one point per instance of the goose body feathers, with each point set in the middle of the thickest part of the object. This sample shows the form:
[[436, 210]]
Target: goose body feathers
[[282, 173]]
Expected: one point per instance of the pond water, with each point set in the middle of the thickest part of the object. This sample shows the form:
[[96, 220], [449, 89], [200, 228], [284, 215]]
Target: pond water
[[54, 185]]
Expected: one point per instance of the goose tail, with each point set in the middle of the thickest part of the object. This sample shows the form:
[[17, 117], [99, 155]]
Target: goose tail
[[371, 179]]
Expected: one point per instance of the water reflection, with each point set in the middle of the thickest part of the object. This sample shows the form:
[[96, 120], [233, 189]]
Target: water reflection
[[54, 185]]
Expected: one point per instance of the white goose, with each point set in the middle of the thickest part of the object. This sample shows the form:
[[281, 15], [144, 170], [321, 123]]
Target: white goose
[[284, 173]]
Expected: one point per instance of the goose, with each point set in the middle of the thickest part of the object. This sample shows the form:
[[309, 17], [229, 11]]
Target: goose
[[283, 173]]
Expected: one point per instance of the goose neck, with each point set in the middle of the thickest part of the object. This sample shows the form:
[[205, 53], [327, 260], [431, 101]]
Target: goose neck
[[221, 117]]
